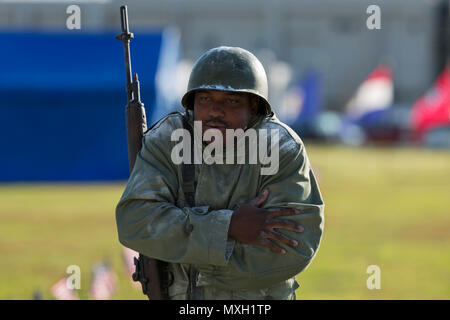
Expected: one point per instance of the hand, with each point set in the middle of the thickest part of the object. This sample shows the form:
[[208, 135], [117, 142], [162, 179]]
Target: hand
[[252, 225]]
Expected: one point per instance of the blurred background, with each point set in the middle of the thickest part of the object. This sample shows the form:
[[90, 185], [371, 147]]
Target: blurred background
[[366, 85]]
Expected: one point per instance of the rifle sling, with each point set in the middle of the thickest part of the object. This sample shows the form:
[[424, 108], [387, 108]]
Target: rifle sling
[[189, 186]]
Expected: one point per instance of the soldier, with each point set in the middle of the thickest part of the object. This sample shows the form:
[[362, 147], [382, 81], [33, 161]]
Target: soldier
[[239, 234]]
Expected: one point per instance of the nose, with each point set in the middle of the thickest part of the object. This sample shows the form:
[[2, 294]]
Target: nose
[[216, 109]]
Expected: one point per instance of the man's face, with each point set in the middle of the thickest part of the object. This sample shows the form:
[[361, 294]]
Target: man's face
[[224, 110]]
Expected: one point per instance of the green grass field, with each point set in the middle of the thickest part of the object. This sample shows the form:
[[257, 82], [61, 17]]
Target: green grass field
[[385, 207]]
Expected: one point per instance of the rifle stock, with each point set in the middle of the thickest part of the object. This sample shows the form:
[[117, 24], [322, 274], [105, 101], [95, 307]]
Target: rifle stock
[[148, 271]]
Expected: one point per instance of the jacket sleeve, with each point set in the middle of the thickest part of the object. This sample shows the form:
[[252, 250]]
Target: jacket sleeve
[[293, 186], [148, 221]]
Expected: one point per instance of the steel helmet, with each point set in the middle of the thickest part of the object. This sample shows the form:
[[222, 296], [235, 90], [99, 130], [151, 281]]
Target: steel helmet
[[228, 69]]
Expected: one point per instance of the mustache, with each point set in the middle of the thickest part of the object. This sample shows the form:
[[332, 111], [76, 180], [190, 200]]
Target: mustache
[[216, 121]]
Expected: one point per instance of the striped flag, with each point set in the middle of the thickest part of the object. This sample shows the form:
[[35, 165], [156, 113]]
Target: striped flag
[[375, 93], [104, 282], [128, 259], [61, 291]]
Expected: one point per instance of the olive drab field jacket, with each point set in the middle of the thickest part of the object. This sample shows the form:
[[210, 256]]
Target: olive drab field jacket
[[153, 217]]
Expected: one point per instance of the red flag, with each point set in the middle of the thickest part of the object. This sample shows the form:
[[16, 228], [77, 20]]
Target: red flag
[[61, 291], [432, 109]]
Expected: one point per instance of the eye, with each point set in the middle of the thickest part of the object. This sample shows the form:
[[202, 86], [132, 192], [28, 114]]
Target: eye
[[204, 98], [233, 101]]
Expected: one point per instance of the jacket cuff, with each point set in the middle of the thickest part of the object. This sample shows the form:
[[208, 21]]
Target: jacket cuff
[[220, 245]]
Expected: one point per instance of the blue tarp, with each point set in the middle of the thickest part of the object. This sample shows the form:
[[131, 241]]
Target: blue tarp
[[62, 103]]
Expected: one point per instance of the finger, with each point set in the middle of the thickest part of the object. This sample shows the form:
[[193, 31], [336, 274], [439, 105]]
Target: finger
[[284, 224], [261, 198], [278, 212], [272, 246], [282, 238]]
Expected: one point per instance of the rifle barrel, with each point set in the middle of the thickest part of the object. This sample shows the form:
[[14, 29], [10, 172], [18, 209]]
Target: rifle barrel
[[124, 18], [125, 37]]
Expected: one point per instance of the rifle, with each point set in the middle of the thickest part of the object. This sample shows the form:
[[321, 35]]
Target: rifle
[[149, 272]]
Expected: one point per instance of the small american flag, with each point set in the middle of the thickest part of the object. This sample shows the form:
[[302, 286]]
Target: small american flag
[[61, 291], [128, 258], [104, 282]]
